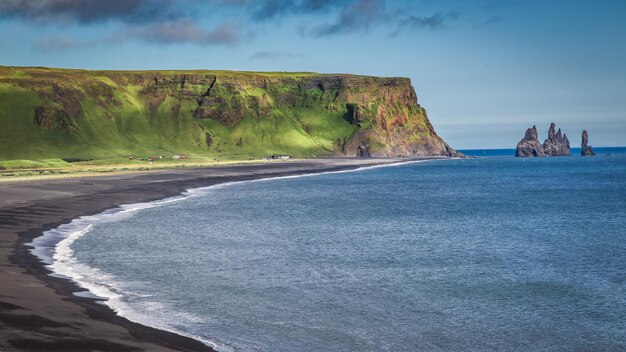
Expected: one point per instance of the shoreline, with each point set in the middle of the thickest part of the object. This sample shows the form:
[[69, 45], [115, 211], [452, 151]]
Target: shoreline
[[41, 312]]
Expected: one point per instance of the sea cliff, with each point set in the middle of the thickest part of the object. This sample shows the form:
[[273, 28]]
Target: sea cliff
[[585, 148], [557, 144], [78, 114]]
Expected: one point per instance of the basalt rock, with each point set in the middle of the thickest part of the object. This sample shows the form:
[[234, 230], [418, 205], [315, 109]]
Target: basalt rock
[[556, 144], [585, 148], [530, 145]]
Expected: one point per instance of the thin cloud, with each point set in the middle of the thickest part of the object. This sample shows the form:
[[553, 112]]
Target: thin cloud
[[89, 11], [233, 2], [172, 22], [172, 32], [359, 15], [62, 43], [435, 21], [273, 55], [492, 20], [186, 31], [270, 9]]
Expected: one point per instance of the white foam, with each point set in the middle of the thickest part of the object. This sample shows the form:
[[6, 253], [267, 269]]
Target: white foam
[[202, 190], [54, 248]]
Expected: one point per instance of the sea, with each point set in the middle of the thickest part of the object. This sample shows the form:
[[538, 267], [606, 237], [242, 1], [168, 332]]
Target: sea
[[489, 253]]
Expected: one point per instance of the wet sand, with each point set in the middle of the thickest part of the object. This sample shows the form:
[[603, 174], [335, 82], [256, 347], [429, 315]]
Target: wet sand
[[39, 312]]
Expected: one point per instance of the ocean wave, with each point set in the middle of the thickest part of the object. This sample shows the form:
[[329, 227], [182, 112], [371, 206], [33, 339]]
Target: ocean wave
[[54, 249]]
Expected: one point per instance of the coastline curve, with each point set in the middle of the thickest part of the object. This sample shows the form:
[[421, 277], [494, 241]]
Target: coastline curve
[[53, 249]]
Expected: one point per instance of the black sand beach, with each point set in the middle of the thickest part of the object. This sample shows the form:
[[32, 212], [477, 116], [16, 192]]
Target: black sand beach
[[39, 312]]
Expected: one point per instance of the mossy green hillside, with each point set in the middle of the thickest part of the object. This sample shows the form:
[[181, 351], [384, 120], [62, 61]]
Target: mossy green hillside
[[77, 115]]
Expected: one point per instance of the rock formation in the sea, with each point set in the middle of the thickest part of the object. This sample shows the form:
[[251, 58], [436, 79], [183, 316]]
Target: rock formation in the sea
[[530, 145], [585, 148], [79, 114], [556, 144]]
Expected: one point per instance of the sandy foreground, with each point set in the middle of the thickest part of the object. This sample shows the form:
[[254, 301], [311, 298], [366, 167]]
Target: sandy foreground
[[39, 312]]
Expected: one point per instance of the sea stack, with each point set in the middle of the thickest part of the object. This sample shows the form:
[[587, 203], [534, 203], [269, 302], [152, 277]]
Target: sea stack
[[530, 145], [585, 149], [556, 144]]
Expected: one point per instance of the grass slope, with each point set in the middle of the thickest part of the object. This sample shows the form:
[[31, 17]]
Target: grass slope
[[109, 115]]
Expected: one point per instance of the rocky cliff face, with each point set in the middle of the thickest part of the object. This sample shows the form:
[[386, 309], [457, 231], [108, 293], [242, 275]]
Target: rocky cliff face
[[585, 148], [530, 145], [219, 113], [556, 144]]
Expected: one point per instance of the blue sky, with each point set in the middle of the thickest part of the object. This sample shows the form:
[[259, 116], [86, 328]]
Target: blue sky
[[485, 70]]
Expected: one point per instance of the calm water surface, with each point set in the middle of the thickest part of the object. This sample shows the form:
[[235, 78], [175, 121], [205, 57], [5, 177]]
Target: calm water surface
[[486, 254]]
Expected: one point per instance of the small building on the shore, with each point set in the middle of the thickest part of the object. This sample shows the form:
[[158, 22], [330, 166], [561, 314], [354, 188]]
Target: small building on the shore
[[277, 157], [179, 156]]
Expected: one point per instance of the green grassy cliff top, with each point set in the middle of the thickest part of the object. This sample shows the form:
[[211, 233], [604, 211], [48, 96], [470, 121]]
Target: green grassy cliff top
[[80, 114]]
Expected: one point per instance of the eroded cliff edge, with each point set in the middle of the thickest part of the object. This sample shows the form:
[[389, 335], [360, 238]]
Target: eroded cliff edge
[[99, 114]]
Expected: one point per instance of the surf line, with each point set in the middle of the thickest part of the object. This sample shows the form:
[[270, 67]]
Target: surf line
[[54, 249]]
